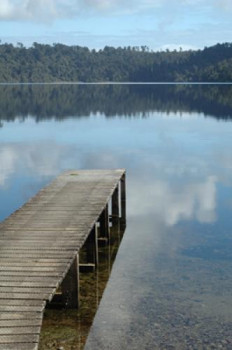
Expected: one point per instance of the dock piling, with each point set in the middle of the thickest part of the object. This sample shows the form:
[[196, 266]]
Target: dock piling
[[123, 199], [92, 247], [104, 231], [70, 286], [115, 206]]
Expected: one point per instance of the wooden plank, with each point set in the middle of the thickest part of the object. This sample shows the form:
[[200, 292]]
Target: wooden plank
[[47, 237], [33, 242], [20, 315], [41, 250], [31, 268], [19, 338], [51, 231], [35, 284], [29, 290], [19, 308], [33, 274], [18, 346], [39, 305], [28, 296], [28, 279], [34, 261], [19, 323], [28, 264], [34, 254], [38, 249], [19, 330]]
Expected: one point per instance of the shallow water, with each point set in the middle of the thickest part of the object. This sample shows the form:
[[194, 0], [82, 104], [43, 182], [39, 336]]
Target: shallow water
[[170, 287], [69, 328]]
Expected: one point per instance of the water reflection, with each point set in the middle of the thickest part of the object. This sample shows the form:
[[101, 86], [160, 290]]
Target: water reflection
[[170, 287], [37, 159], [170, 205], [44, 102], [7, 161]]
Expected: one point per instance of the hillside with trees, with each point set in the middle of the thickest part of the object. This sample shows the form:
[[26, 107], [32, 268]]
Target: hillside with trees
[[58, 63]]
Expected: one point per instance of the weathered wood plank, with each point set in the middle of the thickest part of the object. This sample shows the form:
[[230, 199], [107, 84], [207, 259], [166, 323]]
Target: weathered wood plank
[[39, 305], [33, 274], [29, 290], [36, 284], [56, 269], [37, 296], [17, 346], [21, 315], [35, 264], [35, 253], [28, 279], [19, 338], [34, 261], [19, 308], [43, 249], [36, 237], [62, 245], [11, 330], [20, 323]]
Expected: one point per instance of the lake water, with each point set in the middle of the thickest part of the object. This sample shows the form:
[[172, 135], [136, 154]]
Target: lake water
[[170, 286]]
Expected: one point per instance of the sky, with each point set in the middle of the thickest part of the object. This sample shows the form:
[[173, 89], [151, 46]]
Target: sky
[[158, 24]]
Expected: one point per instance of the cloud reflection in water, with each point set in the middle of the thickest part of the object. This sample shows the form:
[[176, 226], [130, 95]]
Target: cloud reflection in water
[[187, 201], [195, 200]]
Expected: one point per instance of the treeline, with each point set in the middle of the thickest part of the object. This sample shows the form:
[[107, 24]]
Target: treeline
[[44, 102], [58, 62]]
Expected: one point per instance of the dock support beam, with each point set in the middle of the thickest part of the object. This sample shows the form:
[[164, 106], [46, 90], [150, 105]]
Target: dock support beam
[[115, 207], [70, 286], [123, 200], [104, 224], [92, 247]]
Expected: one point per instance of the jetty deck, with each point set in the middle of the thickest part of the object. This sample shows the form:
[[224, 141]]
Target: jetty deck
[[40, 245]]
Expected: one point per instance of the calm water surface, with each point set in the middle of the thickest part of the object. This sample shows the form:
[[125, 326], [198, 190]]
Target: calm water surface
[[170, 286]]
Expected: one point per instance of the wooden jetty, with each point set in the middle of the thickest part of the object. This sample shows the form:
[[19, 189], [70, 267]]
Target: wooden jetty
[[40, 245]]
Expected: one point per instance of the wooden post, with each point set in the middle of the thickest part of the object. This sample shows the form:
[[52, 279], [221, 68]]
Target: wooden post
[[115, 207], [70, 286], [123, 200], [92, 247], [104, 223]]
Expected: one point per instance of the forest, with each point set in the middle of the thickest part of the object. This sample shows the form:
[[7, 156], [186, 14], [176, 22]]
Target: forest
[[61, 63]]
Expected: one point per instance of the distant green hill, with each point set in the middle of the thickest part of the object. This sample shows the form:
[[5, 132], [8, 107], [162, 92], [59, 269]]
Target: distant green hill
[[45, 63]]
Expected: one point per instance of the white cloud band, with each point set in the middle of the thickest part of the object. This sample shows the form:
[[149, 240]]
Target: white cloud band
[[44, 10]]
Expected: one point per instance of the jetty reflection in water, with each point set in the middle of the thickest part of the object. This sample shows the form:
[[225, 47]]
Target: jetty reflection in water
[[69, 328]]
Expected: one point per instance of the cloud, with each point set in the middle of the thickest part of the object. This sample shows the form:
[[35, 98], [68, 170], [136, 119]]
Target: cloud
[[43, 10], [6, 9], [101, 4], [224, 4], [27, 9], [36, 10], [48, 10]]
